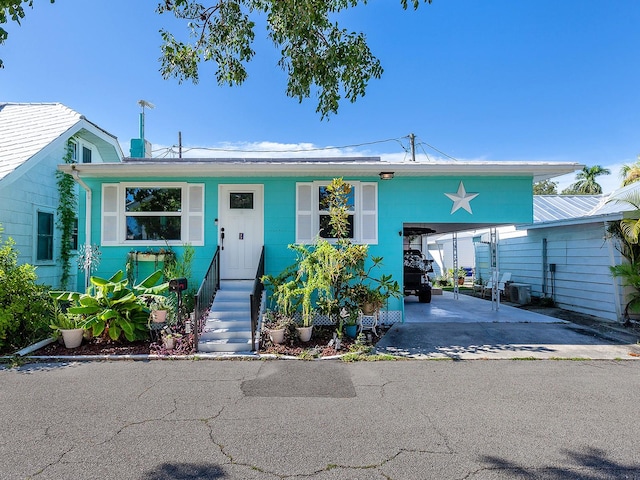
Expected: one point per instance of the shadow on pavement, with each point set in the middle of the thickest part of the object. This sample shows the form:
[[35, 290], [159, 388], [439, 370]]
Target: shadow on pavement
[[591, 464]]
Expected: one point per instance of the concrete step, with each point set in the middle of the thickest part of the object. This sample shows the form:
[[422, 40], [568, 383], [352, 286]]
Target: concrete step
[[227, 345], [237, 323], [230, 315], [228, 325], [220, 333], [230, 306]]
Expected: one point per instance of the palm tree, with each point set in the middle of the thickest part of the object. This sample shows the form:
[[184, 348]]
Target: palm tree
[[630, 227], [627, 232], [630, 173], [586, 183]]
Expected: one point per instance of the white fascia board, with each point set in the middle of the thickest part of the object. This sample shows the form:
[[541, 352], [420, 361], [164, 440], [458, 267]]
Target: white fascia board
[[611, 217], [274, 168]]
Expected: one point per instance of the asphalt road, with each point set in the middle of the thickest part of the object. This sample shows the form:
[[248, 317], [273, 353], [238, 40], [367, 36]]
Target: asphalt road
[[321, 420]]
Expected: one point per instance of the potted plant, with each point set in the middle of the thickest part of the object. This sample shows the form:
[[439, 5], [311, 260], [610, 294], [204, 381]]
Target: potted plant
[[169, 339], [276, 324], [159, 306], [350, 321], [368, 299], [70, 327]]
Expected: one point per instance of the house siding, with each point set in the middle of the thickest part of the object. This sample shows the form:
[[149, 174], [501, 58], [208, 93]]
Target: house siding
[[34, 188], [582, 281], [400, 200]]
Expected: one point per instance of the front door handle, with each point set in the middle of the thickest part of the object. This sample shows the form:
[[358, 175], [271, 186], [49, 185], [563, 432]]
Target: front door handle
[[222, 238]]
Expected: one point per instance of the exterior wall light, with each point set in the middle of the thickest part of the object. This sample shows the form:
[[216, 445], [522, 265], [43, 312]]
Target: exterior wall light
[[386, 175]]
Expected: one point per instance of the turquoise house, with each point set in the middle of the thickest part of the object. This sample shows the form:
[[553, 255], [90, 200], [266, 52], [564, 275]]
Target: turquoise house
[[243, 205]]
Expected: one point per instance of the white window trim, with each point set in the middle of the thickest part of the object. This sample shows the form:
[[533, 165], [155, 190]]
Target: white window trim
[[358, 211], [189, 213], [74, 150]]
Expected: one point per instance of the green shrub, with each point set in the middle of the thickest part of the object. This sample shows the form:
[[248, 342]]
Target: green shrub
[[111, 309], [24, 305]]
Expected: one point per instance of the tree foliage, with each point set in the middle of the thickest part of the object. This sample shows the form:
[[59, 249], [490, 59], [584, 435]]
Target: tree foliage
[[630, 173], [12, 10], [545, 187], [586, 183], [317, 54]]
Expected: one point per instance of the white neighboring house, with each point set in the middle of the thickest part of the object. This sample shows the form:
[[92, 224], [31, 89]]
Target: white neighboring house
[[33, 139], [566, 253]]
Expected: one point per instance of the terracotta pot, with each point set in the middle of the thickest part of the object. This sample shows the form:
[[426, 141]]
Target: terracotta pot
[[159, 316], [73, 337], [276, 335], [369, 308], [304, 333]]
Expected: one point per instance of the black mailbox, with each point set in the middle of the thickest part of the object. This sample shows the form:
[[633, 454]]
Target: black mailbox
[[177, 284]]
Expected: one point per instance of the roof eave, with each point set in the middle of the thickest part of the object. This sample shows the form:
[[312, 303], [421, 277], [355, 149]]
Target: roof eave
[[195, 168]]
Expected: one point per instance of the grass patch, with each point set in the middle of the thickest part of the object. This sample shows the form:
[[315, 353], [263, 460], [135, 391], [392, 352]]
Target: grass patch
[[367, 357], [525, 358]]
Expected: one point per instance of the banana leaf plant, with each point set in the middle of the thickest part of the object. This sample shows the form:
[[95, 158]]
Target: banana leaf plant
[[111, 308]]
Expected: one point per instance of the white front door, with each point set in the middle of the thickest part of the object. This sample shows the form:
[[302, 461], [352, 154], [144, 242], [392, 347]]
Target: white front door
[[240, 230]]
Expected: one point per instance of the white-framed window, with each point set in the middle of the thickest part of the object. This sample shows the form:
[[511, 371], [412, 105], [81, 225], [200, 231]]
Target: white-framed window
[[86, 154], [150, 214], [312, 216], [73, 145], [44, 236]]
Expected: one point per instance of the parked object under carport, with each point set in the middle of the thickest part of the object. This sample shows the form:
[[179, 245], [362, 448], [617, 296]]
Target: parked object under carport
[[416, 275]]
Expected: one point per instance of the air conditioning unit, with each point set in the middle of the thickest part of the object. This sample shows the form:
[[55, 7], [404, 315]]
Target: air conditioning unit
[[520, 293]]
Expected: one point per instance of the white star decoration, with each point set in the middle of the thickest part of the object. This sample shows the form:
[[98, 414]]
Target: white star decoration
[[461, 199]]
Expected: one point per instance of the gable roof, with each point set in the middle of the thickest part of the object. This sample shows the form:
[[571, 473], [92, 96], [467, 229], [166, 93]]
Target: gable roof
[[28, 128]]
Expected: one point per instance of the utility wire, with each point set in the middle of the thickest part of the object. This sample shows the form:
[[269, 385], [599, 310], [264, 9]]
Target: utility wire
[[317, 149]]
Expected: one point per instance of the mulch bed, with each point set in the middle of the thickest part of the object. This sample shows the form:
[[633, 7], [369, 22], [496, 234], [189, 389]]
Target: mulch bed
[[97, 347], [318, 346]]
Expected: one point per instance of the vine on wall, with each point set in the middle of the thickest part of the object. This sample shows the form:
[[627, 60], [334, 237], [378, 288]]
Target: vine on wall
[[67, 212]]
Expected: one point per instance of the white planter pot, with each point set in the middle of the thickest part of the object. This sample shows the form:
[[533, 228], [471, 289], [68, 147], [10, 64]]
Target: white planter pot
[[159, 316], [169, 343], [277, 335], [72, 338], [304, 333]]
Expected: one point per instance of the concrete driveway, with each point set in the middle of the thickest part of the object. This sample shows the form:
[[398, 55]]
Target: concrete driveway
[[469, 328]]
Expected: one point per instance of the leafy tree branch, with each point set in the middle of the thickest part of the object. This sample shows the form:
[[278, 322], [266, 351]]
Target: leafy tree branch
[[317, 55]]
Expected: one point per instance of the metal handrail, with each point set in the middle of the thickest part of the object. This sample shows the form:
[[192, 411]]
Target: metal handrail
[[255, 299], [207, 291]]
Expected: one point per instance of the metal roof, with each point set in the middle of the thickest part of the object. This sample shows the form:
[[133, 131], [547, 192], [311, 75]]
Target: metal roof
[[549, 208], [557, 210]]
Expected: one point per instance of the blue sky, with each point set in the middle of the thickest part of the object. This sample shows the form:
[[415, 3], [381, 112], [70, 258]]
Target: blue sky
[[543, 80]]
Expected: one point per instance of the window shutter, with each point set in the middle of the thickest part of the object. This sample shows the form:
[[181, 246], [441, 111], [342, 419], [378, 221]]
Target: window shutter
[[110, 217], [195, 215], [304, 213], [369, 213]]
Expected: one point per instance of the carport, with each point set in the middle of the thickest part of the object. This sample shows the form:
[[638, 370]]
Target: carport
[[416, 236], [469, 328]]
